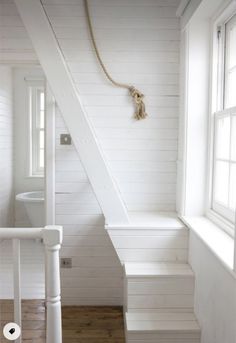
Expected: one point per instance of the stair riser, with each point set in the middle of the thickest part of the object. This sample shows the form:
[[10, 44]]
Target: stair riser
[[163, 340], [150, 245], [166, 337], [159, 293], [152, 255], [159, 301], [165, 285]]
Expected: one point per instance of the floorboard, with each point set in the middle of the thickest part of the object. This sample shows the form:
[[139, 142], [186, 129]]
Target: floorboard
[[81, 324]]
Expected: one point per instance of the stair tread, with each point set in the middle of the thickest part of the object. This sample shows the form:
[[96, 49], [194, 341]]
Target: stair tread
[[162, 322], [157, 220], [133, 269]]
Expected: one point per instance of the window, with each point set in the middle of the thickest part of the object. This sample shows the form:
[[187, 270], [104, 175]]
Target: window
[[224, 145], [37, 130]]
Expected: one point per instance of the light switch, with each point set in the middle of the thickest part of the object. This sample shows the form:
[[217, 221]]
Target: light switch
[[65, 139]]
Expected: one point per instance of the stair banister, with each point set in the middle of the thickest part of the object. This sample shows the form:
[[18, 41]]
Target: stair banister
[[52, 239]]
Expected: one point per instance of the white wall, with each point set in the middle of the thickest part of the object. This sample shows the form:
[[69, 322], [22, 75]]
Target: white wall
[[139, 42], [141, 48], [6, 148], [15, 45], [96, 276], [23, 183], [215, 294]]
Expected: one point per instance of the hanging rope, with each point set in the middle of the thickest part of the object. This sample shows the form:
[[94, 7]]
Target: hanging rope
[[137, 96]]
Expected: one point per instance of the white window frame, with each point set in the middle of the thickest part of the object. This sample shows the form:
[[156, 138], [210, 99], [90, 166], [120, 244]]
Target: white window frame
[[219, 214], [34, 88]]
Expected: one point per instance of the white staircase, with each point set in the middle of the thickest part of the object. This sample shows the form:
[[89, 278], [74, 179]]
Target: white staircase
[[158, 282], [169, 327]]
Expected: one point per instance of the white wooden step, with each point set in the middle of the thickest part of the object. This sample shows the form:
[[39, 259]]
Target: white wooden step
[[164, 220], [150, 237], [169, 327], [153, 286], [160, 269]]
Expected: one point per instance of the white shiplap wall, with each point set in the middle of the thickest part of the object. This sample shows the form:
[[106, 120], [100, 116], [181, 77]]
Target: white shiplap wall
[[139, 42], [96, 274], [32, 270], [6, 148], [15, 45]]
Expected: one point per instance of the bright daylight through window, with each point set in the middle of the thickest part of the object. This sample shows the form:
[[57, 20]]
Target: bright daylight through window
[[37, 130], [224, 156]]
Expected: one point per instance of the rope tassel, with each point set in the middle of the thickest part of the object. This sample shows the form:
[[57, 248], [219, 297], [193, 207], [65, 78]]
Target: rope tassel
[[140, 112]]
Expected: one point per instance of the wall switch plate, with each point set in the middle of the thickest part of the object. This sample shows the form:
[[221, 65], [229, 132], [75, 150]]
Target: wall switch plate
[[66, 262], [65, 139]]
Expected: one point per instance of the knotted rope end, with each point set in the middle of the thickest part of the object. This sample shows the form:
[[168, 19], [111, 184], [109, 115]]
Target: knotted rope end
[[137, 96]]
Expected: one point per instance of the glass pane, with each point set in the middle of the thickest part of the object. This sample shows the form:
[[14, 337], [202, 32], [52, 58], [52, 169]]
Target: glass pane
[[41, 140], [223, 138], [42, 100], [232, 187], [231, 26], [230, 98], [41, 158], [230, 63], [41, 119], [221, 184], [233, 138]]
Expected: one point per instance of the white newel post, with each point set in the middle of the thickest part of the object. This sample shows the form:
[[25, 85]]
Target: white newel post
[[52, 238]]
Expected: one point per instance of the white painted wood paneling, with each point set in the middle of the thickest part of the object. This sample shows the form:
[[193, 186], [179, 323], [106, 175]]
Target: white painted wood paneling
[[141, 47], [150, 237], [158, 286], [96, 274], [169, 327], [32, 270], [139, 42], [68, 100], [6, 148], [15, 45]]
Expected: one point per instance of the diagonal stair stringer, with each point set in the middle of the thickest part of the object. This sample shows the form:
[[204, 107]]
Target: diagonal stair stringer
[[67, 98]]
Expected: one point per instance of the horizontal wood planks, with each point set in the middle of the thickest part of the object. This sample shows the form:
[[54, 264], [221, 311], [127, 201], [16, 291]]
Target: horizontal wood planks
[[96, 274], [159, 303], [149, 241], [32, 270], [67, 98], [33, 319], [140, 46], [15, 45], [139, 42], [79, 324], [157, 286]]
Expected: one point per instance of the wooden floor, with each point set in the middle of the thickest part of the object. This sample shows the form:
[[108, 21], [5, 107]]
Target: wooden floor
[[80, 324]]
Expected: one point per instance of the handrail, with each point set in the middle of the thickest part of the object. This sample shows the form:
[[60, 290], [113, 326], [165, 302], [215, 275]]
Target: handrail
[[21, 233], [52, 239]]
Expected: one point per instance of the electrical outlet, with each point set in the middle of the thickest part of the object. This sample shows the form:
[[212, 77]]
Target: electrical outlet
[[66, 262], [65, 139]]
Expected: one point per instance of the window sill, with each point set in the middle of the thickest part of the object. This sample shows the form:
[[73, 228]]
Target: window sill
[[35, 177], [217, 241]]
